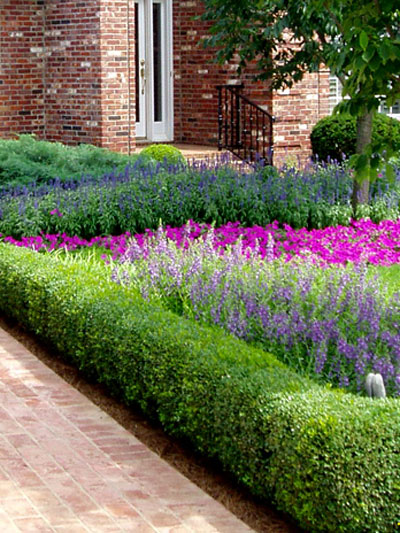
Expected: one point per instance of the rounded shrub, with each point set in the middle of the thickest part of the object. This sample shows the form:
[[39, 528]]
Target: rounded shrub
[[335, 135], [163, 153]]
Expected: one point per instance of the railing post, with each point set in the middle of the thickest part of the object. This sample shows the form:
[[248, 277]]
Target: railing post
[[232, 119], [244, 132], [225, 111], [271, 141], [220, 117], [237, 106], [251, 120], [257, 136]]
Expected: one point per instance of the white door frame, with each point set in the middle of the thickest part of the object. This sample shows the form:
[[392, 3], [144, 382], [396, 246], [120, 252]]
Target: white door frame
[[148, 128]]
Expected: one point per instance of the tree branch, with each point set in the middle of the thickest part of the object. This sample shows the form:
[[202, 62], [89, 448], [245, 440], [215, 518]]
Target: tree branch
[[388, 28], [336, 20]]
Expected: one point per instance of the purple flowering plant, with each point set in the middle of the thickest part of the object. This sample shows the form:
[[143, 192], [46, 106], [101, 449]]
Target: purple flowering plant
[[315, 197], [337, 324]]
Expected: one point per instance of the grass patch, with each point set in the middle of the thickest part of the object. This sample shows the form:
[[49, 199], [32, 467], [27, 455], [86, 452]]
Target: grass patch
[[390, 275]]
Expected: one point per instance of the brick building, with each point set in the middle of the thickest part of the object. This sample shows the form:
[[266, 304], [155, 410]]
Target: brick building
[[115, 73]]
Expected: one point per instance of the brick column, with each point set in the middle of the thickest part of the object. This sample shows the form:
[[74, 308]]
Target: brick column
[[297, 110], [89, 72], [116, 47], [21, 67], [73, 71]]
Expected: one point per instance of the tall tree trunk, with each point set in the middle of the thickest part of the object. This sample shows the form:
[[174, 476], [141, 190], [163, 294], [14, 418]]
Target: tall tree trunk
[[364, 136]]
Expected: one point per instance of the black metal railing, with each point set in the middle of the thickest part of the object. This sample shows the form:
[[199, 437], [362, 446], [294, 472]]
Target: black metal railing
[[244, 128]]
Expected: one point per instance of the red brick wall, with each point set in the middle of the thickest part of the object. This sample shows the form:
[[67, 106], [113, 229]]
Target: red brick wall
[[117, 75], [297, 110], [67, 73], [196, 77], [21, 67], [73, 85]]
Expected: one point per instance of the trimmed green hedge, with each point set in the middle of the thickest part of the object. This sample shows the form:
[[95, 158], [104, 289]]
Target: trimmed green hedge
[[329, 459]]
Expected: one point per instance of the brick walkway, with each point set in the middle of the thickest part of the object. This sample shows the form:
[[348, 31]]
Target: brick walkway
[[66, 466]]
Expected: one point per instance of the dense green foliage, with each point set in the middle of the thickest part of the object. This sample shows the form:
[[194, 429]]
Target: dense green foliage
[[26, 160], [335, 136], [329, 459], [163, 153], [358, 40]]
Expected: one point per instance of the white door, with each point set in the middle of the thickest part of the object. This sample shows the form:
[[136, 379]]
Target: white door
[[153, 69]]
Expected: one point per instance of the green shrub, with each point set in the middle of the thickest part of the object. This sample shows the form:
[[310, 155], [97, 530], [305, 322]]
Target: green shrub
[[327, 458], [163, 153], [335, 135], [27, 160]]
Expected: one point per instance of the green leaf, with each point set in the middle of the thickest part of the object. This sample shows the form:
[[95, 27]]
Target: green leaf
[[375, 63], [364, 40], [373, 174], [396, 51], [363, 174], [385, 51], [359, 62], [390, 173], [369, 53], [375, 162], [361, 165]]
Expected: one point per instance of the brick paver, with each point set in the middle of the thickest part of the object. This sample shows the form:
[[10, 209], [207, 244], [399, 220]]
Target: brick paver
[[66, 466]]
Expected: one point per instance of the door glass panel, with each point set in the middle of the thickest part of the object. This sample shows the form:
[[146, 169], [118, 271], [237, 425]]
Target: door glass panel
[[157, 62], [137, 67], [153, 47]]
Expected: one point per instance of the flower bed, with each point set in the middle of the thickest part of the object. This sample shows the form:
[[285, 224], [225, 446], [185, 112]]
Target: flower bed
[[143, 195], [327, 457], [333, 324]]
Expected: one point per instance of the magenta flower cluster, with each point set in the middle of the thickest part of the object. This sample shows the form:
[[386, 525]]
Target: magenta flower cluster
[[361, 241]]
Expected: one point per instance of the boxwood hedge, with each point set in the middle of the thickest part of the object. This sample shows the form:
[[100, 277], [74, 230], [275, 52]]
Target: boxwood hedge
[[329, 459]]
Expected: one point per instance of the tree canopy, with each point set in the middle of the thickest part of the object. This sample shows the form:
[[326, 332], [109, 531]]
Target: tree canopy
[[358, 40]]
